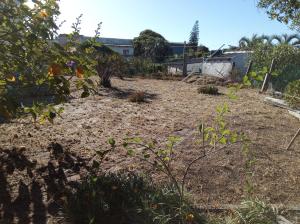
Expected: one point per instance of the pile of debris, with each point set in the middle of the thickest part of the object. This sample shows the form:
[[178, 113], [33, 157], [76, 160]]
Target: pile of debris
[[205, 80]]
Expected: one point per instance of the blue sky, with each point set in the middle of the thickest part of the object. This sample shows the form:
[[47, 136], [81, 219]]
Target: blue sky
[[220, 21]]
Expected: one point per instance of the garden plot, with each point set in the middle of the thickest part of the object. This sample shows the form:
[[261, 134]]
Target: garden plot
[[171, 108]]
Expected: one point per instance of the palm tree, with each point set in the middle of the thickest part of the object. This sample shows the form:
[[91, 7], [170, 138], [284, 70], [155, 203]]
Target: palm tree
[[265, 39], [244, 42], [278, 38], [286, 39], [249, 43]]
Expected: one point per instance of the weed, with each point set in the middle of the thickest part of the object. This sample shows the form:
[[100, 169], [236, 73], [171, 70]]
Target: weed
[[211, 90], [292, 94], [127, 198]]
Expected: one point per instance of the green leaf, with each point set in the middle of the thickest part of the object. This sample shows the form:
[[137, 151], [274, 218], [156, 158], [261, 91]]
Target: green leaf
[[85, 94], [130, 152], [223, 140], [112, 142], [146, 155]]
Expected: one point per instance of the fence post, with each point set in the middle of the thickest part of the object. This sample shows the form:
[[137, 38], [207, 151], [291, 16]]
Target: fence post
[[184, 68], [249, 67], [267, 78]]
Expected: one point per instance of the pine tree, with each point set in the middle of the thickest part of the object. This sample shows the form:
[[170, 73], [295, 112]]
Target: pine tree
[[194, 36]]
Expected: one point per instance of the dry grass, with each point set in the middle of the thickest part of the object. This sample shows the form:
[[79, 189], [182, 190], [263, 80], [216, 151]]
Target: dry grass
[[176, 109]]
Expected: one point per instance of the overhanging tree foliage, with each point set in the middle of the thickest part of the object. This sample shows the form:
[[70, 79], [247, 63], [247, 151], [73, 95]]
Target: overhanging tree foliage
[[31, 63], [286, 11], [150, 44]]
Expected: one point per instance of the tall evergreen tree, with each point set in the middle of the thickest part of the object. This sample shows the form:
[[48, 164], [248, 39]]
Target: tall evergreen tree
[[194, 36]]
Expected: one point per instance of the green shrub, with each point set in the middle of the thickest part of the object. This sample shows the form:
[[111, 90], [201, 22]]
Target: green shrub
[[289, 74], [252, 211], [286, 66], [211, 90], [292, 94], [256, 211], [127, 198], [144, 66]]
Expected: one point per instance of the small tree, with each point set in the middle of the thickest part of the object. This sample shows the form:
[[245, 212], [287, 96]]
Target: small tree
[[109, 63], [150, 44], [194, 36]]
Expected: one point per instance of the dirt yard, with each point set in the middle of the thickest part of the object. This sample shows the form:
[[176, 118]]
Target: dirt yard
[[172, 108]]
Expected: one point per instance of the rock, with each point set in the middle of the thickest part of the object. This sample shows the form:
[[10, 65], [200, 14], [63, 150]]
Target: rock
[[74, 178]]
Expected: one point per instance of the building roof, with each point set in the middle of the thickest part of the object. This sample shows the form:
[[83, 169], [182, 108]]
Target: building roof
[[62, 39]]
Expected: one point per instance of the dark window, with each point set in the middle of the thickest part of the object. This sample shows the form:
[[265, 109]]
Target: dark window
[[126, 52]]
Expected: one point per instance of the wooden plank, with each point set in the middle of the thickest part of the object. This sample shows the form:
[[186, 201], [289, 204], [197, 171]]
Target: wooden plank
[[249, 67], [295, 113], [276, 102], [267, 78]]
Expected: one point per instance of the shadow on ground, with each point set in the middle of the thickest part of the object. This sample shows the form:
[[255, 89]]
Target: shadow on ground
[[39, 192], [118, 93]]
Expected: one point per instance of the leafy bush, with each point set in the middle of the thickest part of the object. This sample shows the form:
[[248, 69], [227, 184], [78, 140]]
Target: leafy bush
[[292, 94], [144, 66], [289, 74], [109, 64], [208, 89], [32, 63], [137, 97], [286, 67], [126, 198]]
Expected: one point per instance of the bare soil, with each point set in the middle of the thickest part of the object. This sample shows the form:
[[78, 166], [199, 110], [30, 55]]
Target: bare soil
[[172, 108]]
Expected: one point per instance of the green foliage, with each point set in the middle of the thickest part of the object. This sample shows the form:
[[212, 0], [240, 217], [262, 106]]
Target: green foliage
[[194, 36], [208, 89], [287, 12], [32, 64], [161, 157], [202, 51], [256, 211], [109, 65], [127, 198], [292, 94], [144, 66], [109, 198], [255, 78], [286, 67], [252, 211], [43, 113], [25, 52], [150, 44], [251, 43]]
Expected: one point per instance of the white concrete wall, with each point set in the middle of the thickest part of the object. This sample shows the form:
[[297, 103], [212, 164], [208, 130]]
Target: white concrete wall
[[194, 68], [216, 68]]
